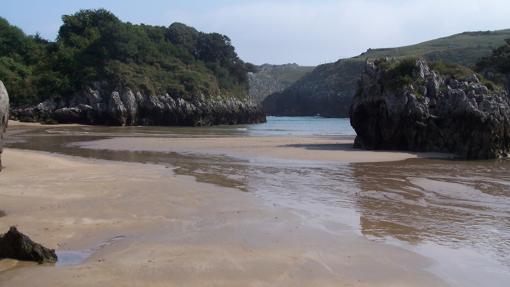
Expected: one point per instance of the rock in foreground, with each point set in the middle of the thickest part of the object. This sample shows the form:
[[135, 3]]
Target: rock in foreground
[[4, 116], [16, 245], [407, 105]]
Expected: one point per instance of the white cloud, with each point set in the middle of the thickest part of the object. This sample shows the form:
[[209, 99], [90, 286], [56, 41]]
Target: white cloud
[[313, 32], [281, 31]]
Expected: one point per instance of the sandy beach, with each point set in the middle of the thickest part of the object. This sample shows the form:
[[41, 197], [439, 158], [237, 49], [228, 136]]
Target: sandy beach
[[248, 143], [173, 207], [328, 149], [141, 225]]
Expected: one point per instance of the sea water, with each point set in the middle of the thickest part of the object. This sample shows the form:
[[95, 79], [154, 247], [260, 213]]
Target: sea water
[[302, 126]]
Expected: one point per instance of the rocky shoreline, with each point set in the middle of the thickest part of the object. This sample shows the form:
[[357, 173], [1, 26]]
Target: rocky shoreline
[[94, 106], [411, 106]]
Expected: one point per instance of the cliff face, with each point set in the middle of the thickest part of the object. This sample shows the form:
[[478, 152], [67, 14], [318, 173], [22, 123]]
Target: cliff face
[[270, 79], [128, 107], [4, 116], [329, 89], [326, 91], [408, 105]]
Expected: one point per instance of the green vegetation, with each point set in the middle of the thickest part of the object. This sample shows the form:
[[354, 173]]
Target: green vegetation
[[329, 88], [465, 48], [95, 46], [268, 79], [400, 73], [452, 70], [497, 65]]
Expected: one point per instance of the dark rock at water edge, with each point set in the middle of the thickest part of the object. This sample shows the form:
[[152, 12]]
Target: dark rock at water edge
[[16, 245], [127, 107], [432, 112]]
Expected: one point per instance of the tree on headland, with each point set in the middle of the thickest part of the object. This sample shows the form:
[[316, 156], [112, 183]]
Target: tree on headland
[[96, 46]]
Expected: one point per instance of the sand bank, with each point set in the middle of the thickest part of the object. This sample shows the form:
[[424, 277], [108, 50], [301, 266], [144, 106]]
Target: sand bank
[[329, 149], [141, 225]]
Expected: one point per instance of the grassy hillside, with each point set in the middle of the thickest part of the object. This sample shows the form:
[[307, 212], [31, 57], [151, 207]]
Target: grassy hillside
[[269, 79], [328, 89], [464, 49]]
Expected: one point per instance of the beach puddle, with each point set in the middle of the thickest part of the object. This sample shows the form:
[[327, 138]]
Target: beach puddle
[[68, 258], [455, 212], [71, 257]]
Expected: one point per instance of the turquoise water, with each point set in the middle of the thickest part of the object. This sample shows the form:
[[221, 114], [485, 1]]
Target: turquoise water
[[302, 126]]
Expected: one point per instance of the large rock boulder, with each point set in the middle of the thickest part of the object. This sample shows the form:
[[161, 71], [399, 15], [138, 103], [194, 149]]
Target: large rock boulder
[[98, 105], [4, 116], [16, 245], [407, 105]]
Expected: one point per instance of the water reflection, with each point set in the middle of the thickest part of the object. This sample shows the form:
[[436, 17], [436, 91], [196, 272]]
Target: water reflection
[[211, 169], [453, 204]]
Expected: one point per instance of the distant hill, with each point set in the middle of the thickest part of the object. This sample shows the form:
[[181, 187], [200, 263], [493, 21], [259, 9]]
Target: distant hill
[[329, 88], [270, 79]]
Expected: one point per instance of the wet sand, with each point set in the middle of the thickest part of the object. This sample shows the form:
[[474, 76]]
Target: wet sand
[[224, 206], [142, 225], [327, 149]]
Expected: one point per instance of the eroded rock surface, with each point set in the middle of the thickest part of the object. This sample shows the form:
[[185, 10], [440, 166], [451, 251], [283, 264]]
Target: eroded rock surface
[[4, 116], [16, 245], [127, 107], [419, 109]]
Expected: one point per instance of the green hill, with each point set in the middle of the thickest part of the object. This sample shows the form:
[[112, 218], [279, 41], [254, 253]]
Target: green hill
[[328, 89]]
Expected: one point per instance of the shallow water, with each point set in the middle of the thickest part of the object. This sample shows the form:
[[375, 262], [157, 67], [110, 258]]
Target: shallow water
[[302, 126], [455, 212]]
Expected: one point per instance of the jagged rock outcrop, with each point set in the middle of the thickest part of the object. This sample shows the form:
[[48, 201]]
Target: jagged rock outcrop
[[16, 245], [127, 107], [4, 116], [409, 106]]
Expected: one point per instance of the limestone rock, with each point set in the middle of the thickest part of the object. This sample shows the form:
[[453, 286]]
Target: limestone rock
[[95, 105], [428, 111], [4, 116]]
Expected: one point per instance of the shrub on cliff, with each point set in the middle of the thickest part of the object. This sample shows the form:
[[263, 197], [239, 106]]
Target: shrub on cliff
[[496, 67], [95, 46], [398, 73]]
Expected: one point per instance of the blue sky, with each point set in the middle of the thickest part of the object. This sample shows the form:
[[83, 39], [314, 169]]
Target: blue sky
[[285, 31]]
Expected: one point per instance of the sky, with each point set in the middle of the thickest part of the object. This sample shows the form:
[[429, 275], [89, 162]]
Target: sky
[[285, 31]]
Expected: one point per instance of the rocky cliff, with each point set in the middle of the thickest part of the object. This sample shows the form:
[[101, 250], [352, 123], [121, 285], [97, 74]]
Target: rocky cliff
[[326, 91], [407, 105], [329, 89], [96, 105], [270, 79], [4, 116]]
